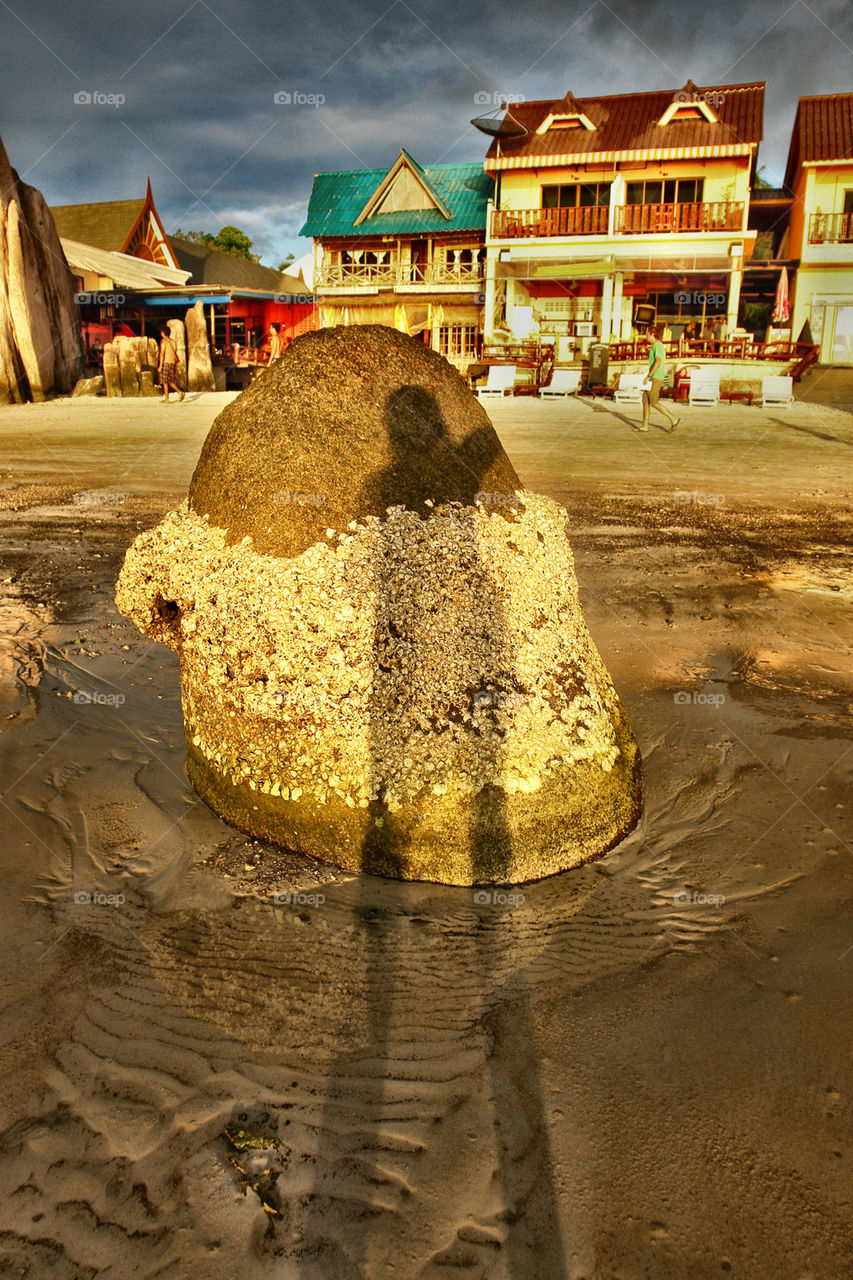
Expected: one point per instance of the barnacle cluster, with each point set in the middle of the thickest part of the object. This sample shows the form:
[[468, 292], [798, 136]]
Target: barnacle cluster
[[394, 660]]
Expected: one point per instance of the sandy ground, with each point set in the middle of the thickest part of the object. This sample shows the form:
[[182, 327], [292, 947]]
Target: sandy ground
[[641, 1070]]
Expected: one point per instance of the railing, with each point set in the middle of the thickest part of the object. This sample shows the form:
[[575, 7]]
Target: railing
[[365, 273], [650, 219], [456, 273], [581, 220], [836, 228], [347, 275], [747, 348]]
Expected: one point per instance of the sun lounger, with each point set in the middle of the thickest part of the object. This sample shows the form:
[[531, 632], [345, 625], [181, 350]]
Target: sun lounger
[[500, 382], [777, 389], [564, 382], [705, 387], [630, 388]]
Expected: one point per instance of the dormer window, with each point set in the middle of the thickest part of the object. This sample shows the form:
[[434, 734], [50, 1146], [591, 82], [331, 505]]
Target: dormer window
[[686, 112], [689, 104], [566, 120]]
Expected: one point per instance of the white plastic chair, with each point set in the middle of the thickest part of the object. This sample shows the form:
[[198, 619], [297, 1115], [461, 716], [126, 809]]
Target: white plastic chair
[[630, 388], [500, 382], [564, 382], [777, 389], [705, 387]]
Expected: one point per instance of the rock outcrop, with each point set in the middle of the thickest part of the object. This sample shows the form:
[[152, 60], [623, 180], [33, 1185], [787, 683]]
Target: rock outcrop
[[383, 658], [41, 348], [199, 364], [130, 366]]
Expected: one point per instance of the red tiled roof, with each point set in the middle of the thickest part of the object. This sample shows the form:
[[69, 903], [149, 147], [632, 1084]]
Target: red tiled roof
[[823, 130], [628, 122]]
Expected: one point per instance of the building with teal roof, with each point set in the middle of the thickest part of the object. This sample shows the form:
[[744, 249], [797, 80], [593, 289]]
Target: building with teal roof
[[403, 246]]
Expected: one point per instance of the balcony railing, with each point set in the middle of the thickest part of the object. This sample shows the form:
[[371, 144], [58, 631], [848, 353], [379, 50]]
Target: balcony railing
[[631, 219], [652, 219], [352, 274], [831, 228], [582, 220], [358, 273]]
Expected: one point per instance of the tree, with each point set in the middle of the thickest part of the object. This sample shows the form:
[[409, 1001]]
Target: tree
[[227, 240], [761, 184], [234, 241], [286, 262], [195, 237]]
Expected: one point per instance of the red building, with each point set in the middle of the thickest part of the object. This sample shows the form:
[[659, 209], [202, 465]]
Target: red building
[[132, 276]]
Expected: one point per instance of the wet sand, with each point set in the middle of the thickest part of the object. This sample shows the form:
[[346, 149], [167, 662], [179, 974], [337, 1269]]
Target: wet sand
[[640, 1070]]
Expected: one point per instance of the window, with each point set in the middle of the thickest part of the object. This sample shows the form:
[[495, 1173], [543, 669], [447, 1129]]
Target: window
[[458, 341], [672, 191], [846, 219], [588, 195]]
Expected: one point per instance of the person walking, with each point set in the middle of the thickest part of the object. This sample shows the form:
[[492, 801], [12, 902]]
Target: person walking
[[653, 384], [275, 342], [168, 366]]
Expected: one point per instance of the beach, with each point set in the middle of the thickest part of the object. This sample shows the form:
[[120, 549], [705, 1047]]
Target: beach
[[638, 1068]]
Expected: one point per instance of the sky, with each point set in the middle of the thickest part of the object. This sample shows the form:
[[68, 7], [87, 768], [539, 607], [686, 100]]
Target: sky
[[233, 107]]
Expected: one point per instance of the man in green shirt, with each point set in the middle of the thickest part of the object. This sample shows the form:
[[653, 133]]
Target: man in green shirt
[[654, 383]]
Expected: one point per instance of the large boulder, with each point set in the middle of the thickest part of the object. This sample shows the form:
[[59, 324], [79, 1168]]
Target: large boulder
[[383, 658], [352, 421], [41, 348]]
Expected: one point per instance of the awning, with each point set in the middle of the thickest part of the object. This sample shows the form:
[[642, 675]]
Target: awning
[[181, 300]]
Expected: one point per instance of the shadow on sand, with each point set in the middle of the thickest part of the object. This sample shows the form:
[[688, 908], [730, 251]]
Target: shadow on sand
[[368, 1079]]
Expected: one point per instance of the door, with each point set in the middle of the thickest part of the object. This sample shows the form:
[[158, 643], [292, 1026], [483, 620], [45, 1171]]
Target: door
[[842, 338]]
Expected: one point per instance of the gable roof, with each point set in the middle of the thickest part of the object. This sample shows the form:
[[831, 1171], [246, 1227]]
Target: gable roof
[[627, 126], [105, 225], [823, 132], [406, 176], [337, 200], [212, 266], [118, 226]]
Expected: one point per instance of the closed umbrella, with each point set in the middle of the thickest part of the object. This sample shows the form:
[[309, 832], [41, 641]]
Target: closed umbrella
[[781, 312]]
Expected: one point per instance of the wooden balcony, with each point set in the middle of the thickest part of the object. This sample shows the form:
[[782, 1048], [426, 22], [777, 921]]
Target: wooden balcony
[[655, 219], [391, 275], [830, 228], [344, 274], [583, 220]]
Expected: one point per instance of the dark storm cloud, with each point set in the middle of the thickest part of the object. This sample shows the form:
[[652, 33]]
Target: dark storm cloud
[[199, 81]]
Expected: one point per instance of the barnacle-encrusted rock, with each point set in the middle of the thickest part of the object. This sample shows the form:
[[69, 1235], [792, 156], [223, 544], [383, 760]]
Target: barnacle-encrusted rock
[[383, 658]]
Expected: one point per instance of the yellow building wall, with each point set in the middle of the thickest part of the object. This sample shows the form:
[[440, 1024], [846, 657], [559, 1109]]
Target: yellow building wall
[[726, 179], [817, 191]]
